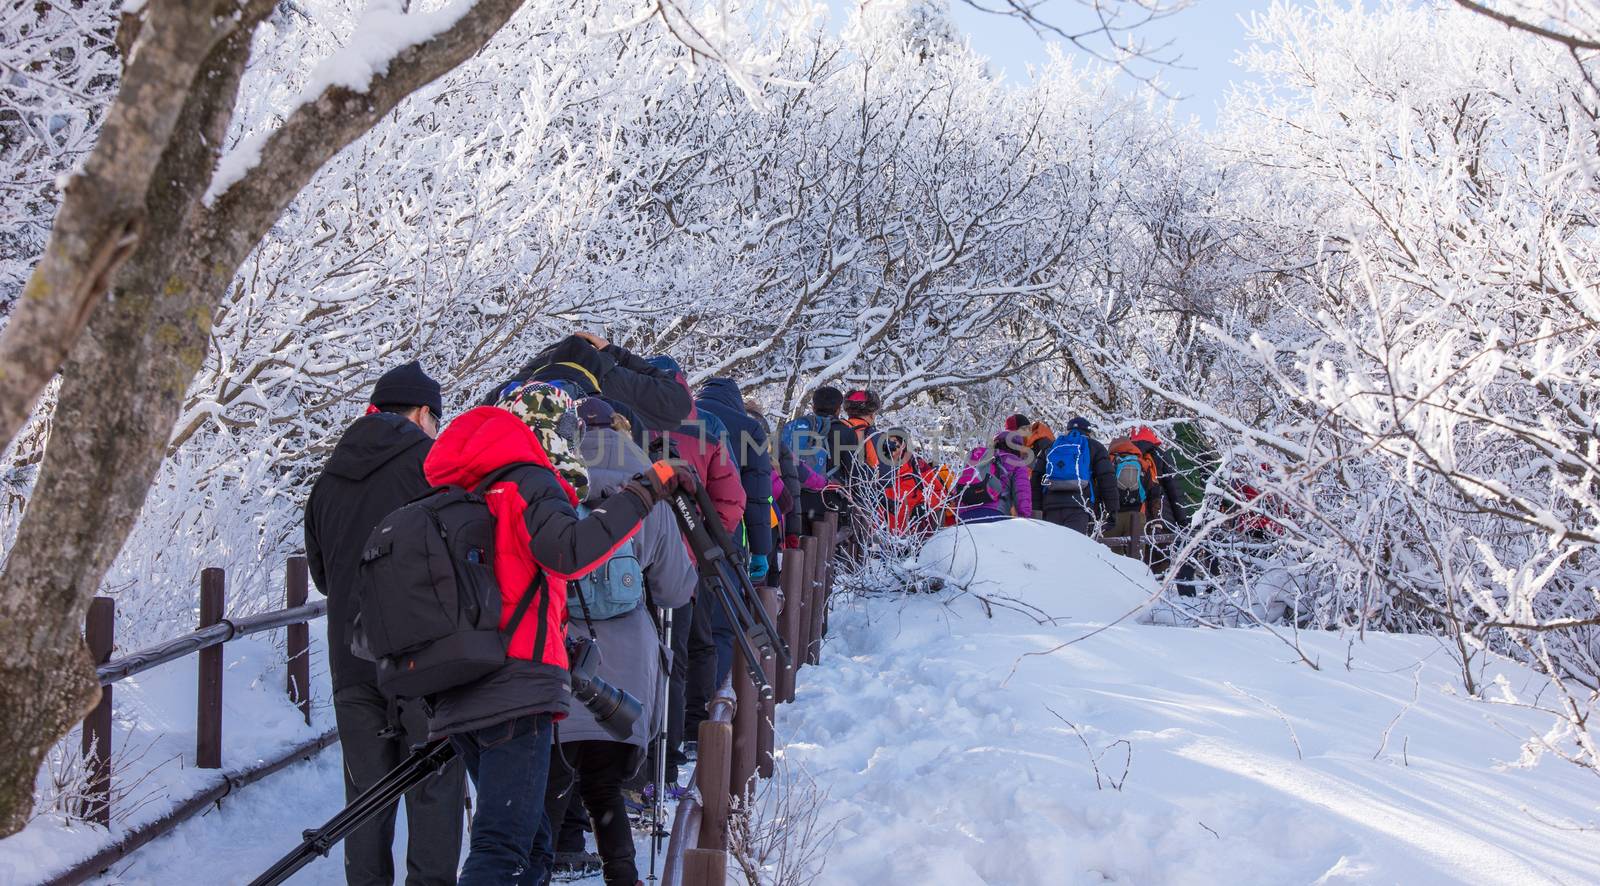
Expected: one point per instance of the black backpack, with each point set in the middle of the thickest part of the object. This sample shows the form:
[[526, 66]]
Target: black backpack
[[428, 601]]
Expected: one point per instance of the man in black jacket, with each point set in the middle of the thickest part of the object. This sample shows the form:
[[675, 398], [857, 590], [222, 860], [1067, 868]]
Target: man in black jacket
[[1070, 507], [585, 365], [753, 457], [375, 468]]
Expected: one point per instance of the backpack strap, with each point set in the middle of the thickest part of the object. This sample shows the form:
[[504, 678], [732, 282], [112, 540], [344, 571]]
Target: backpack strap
[[538, 587]]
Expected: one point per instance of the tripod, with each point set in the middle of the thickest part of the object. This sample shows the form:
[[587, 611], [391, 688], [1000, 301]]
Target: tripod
[[317, 843]]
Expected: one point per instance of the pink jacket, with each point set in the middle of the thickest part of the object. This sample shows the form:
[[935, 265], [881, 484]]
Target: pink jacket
[[1016, 482]]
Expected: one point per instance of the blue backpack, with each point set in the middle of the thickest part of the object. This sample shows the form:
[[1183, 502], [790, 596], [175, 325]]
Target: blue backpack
[[615, 587], [808, 438], [1068, 463]]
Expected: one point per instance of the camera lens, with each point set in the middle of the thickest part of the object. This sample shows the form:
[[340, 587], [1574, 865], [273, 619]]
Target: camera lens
[[614, 709]]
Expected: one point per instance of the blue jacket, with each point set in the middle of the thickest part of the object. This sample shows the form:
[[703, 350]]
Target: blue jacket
[[747, 438]]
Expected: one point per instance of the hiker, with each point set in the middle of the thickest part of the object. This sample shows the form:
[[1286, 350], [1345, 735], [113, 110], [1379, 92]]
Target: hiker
[[585, 364], [1080, 484], [702, 441], [825, 444], [375, 468], [994, 484], [861, 413], [1133, 472], [501, 724], [721, 397], [1039, 438], [919, 490], [1254, 510], [615, 603], [1165, 501], [785, 488]]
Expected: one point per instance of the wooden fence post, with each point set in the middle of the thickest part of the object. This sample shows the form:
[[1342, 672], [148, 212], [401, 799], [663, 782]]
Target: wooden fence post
[[208, 713], [745, 714], [794, 576], [813, 580], [99, 634], [299, 639], [826, 543], [711, 772], [767, 714], [705, 867]]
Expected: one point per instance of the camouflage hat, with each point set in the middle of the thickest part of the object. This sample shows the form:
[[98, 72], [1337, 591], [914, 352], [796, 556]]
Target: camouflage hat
[[548, 411]]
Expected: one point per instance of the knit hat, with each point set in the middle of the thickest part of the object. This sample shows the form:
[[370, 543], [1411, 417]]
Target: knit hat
[[1146, 434], [862, 402], [827, 400], [408, 385], [1016, 422], [595, 412], [548, 412]]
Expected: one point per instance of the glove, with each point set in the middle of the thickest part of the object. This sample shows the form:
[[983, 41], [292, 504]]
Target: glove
[[758, 567], [665, 478], [791, 542]]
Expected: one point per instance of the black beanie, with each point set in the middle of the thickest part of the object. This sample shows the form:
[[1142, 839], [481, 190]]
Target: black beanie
[[408, 385], [827, 400]]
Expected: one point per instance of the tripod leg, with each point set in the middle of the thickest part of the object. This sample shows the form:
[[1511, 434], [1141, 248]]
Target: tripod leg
[[422, 763]]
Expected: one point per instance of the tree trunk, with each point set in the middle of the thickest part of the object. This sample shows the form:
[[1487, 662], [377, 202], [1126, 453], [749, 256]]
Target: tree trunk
[[124, 385]]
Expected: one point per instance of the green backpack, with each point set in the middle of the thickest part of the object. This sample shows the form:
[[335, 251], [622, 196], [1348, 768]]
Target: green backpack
[[614, 588]]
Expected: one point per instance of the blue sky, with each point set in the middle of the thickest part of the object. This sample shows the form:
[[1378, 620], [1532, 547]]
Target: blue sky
[[1205, 36]]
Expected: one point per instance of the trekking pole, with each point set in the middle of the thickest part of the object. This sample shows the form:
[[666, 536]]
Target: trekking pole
[[318, 842], [661, 740]]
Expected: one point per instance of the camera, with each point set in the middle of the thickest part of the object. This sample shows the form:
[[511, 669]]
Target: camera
[[614, 709]]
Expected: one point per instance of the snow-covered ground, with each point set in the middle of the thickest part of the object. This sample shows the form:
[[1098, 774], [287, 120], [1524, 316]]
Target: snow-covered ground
[[952, 755], [153, 749], [947, 753]]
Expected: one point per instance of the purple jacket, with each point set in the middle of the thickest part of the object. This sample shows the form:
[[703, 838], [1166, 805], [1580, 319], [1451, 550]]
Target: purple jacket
[[1014, 476]]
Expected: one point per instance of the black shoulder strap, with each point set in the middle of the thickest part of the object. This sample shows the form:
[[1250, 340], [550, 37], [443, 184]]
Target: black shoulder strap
[[535, 588]]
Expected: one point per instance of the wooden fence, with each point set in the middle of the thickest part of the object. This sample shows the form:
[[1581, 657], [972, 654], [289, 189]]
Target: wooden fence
[[206, 642], [1139, 544], [736, 740]]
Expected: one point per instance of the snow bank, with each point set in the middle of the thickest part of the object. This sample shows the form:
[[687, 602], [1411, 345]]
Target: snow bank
[[153, 746], [1041, 568], [1157, 755]]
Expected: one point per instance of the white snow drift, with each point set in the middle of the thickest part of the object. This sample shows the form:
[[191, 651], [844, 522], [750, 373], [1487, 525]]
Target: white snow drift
[[956, 748]]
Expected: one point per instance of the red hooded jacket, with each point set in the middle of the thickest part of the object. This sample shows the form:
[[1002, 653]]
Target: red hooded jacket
[[536, 529]]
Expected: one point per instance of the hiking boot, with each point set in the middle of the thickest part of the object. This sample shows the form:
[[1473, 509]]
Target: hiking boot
[[575, 865]]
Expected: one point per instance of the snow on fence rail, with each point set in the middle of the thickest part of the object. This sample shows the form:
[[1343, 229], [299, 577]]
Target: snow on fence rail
[[206, 642], [736, 739]]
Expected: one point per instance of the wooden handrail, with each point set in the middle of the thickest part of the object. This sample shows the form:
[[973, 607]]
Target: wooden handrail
[[215, 630], [226, 630], [697, 850]]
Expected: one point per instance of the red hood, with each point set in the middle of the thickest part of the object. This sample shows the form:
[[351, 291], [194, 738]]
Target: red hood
[[481, 441]]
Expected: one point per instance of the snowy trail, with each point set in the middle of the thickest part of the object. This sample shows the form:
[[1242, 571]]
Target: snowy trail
[[947, 757], [940, 771], [253, 829]]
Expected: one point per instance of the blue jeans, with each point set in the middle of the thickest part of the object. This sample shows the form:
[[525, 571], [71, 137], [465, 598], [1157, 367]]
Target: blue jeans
[[509, 764]]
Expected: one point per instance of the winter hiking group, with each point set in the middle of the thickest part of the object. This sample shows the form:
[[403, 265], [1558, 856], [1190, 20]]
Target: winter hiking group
[[595, 530]]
